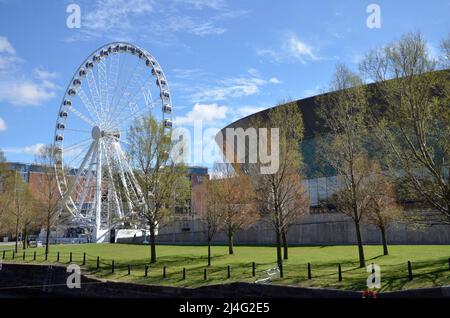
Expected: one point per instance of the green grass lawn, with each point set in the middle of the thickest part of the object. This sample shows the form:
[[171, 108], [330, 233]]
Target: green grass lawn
[[429, 262]]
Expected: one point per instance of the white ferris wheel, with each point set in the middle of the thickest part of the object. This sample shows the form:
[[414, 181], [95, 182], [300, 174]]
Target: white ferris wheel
[[114, 86]]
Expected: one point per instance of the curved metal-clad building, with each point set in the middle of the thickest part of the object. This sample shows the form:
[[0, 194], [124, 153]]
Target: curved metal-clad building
[[324, 224]]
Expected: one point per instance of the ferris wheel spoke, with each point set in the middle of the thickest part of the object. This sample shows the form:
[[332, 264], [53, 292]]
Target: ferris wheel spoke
[[79, 130], [77, 155], [112, 185], [131, 101], [117, 86], [123, 179], [92, 84], [125, 91], [113, 78], [103, 86], [76, 145], [130, 171], [87, 182], [82, 117], [81, 168], [85, 100]]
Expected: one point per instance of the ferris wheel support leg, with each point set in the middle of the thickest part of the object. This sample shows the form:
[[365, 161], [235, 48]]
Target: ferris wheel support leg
[[98, 196]]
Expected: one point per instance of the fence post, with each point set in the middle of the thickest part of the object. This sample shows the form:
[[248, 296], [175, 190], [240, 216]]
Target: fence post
[[309, 271], [204, 274], [98, 262], [34, 256], [57, 257], [228, 271], [70, 259], [112, 267], [129, 269], [340, 273], [164, 272], [410, 274], [23, 256], [253, 269], [14, 255], [84, 259], [146, 270], [184, 273]]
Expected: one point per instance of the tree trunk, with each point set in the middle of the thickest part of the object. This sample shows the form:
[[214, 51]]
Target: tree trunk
[[230, 242], [47, 239], [24, 237], [279, 258], [209, 252], [384, 240], [285, 245], [152, 244], [362, 260], [17, 233]]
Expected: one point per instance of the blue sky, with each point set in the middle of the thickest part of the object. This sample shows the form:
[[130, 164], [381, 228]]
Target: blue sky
[[223, 59]]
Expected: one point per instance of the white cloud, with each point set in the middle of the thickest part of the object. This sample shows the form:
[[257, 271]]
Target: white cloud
[[275, 80], [189, 25], [201, 4], [157, 21], [300, 49], [44, 75], [207, 113], [292, 49], [19, 88], [240, 112], [6, 47], [3, 126], [27, 150], [25, 93], [235, 87], [113, 17]]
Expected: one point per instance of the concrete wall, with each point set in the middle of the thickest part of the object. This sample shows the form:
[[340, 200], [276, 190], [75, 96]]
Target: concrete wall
[[315, 229], [19, 280]]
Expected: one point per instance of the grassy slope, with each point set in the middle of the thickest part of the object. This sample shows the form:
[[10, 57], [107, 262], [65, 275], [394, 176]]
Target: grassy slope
[[430, 264]]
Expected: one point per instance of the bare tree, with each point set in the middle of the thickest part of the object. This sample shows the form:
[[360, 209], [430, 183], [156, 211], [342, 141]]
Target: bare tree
[[238, 200], [343, 148], [47, 197], [280, 197], [445, 46], [160, 174], [411, 119], [21, 204], [211, 211], [382, 208], [6, 194]]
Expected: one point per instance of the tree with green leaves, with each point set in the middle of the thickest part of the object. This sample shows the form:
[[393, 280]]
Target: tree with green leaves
[[410, 117], [343, 147], [160, 173]]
